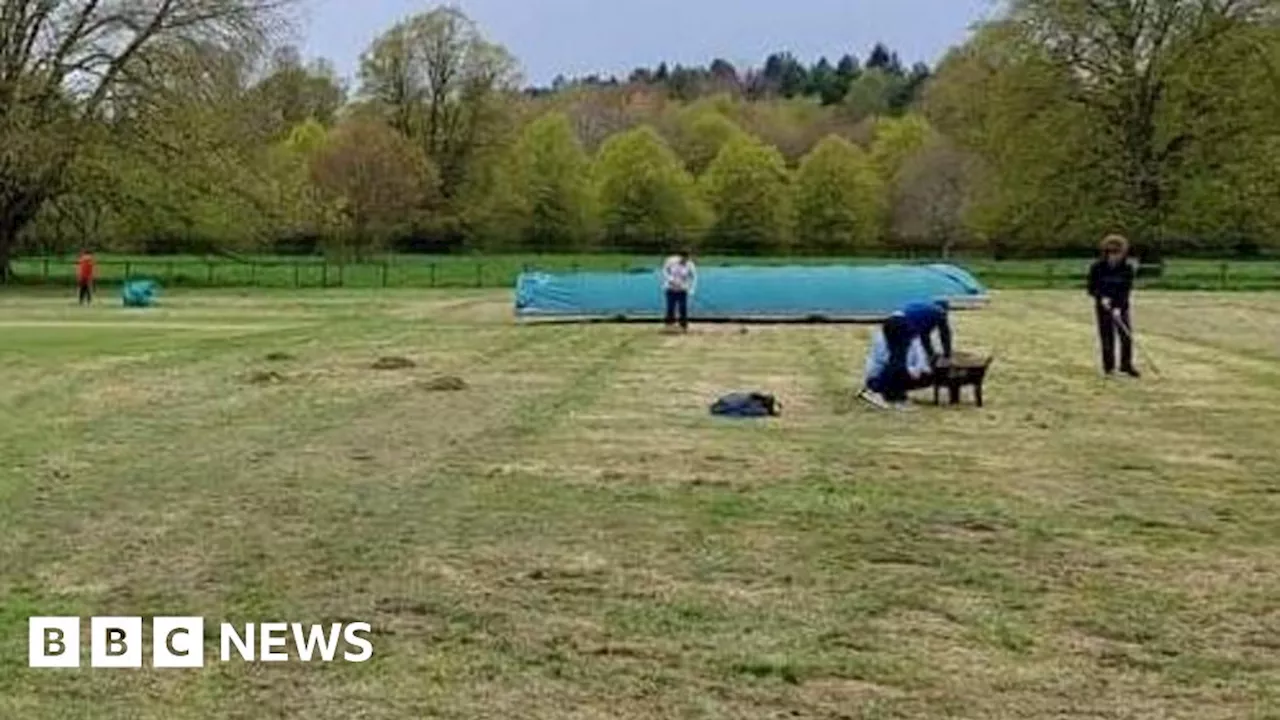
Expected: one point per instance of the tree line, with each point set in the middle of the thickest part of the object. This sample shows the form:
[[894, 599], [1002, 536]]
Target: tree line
[[881, 85], [182, 126]]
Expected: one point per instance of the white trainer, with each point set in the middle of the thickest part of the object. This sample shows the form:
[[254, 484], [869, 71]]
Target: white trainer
[[873, 399]]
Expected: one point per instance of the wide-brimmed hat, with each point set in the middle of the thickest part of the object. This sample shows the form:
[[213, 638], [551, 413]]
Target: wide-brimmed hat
[[1115, 243]]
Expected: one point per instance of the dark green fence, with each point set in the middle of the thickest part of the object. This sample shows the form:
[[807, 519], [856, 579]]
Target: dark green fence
[[296, 275], [502, 271]]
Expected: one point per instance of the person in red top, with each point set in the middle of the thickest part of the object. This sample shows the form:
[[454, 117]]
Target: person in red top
[[84, 276]]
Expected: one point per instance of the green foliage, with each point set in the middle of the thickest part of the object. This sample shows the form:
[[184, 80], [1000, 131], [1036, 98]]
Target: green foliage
[[379, 181], [791, 126], [295, 92], [304, 208], [896, 140], [1052, 124], [648, 201], [543, 200], [186, 171], [438, 81], [1088, 130], [306, 138], [871, 94], [1004, 101], [785, 75], [68, 65], [701, 133], [829, 86], [840, 199], [931, 197], [748, 189]]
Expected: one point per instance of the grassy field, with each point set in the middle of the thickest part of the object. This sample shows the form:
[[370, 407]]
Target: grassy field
[[501, 271], [573, 537]]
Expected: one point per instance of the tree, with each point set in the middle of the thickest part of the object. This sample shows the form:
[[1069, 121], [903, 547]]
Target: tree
[[648, 202], [180, 167], [931, 197], [701, 132], [1134, 68], [376, 177], [874, 94], [293, 92], [825, 83], [724, 76], [896, 140], [748, 190], [839, 199], [67, 222], [904, 93], [307, 138], [65, 63], [440, 82], [791, 126], [883, 59], [545, 202], [1007, 103], [847, 70], [309, 213], [785, 75], [640, 76], [599, 114], [1098, 117], [685, 83]]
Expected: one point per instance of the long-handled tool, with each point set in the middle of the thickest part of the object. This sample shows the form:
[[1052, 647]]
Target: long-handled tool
[[1124, 328]]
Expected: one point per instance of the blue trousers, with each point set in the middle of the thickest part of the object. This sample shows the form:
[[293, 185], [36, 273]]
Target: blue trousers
[[677, 308], [894, 381]]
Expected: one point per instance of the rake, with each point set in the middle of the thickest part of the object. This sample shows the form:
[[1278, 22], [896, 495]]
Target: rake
[[1142, 350]]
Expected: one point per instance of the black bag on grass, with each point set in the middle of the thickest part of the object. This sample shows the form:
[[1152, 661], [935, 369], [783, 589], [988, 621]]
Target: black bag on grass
[[747, 405]]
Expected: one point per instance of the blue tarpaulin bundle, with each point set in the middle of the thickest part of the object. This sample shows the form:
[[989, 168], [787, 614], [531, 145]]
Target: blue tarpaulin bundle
[[818, 293], [139, 293]]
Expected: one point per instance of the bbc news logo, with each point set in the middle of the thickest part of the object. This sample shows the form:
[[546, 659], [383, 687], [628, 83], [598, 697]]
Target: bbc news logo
[[179, 642]]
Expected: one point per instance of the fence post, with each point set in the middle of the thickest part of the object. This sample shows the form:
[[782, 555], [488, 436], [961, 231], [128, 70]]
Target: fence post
[[128, 269], [208, 278], [297, 275], [479, 274], [1048, 275], [46, 270], [169, 270], [1222, 277], [433, 274], [384, 273], [253, 274]]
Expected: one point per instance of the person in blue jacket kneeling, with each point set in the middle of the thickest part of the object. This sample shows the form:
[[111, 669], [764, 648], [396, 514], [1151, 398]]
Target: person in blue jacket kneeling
[[897, 363], [923, 319]]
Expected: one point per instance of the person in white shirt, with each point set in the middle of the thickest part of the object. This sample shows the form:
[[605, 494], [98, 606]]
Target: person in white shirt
[[679, 281]]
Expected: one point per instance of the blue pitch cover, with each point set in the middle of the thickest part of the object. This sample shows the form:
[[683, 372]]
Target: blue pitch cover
[[832, 293]]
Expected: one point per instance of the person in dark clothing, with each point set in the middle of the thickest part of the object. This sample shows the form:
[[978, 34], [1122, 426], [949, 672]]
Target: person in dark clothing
[[1110, 286], [923, 318], [891, 372], [677, 309], [896, 379]]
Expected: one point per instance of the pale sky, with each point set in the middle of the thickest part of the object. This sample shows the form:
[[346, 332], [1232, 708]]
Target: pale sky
[[579, 37]]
